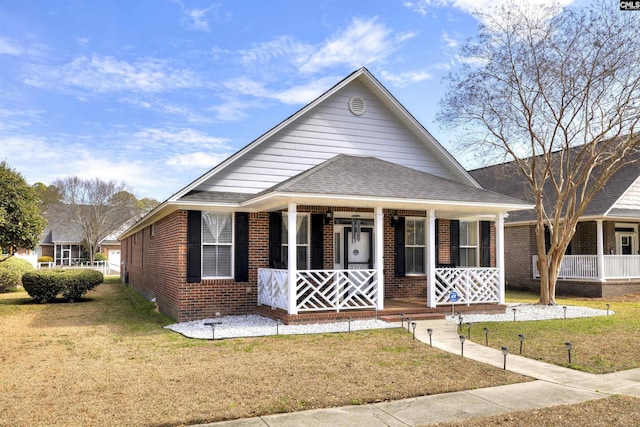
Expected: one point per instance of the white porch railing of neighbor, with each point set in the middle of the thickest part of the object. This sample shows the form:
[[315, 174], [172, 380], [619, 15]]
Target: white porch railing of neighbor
[[318, 290], [624, 267], [472, 285]]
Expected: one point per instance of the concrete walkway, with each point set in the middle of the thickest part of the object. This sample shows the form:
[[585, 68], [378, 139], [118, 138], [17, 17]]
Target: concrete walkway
[[554, 385]]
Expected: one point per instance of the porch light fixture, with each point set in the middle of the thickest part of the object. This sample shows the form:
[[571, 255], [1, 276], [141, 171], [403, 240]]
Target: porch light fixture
[[328, 217], [505, 351], [568, 347], [462, 338], [413, 326], [486, 336], [394, 219], [521, 338], [430, 331]]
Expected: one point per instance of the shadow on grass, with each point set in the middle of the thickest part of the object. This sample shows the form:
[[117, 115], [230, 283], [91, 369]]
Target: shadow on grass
[[110, 304]]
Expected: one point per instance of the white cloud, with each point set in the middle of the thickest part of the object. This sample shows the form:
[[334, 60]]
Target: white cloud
[[281, 47], [361, 43], [176, 139], [103, 74], [477, 7], [449, 41], [300, 94], [198, 19], [9, 47], [198, 159], [403, 79]]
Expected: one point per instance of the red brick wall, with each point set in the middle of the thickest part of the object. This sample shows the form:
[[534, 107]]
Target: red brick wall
[[156, 265]]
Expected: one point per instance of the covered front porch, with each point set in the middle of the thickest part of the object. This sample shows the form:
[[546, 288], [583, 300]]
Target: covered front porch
[[361, 247]]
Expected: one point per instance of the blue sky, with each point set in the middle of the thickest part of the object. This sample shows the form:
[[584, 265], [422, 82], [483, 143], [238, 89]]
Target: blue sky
[[153, 93]]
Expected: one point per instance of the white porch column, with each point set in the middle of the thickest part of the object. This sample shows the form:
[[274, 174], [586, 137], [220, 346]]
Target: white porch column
[[431, 258], [600, 250], [379, 251], [292, 266], [500, 255]]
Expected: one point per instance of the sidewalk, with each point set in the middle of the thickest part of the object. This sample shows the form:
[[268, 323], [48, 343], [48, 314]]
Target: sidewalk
[[554, 385]]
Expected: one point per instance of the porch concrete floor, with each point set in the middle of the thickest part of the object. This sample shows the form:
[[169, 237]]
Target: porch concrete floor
[[394, 310]]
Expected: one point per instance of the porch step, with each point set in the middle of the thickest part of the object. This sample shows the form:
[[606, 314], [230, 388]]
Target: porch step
[[388, 315]]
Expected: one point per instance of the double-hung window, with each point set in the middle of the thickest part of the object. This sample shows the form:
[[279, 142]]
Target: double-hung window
[[217, 234], [302, 241], [415, 246], [468, 243]]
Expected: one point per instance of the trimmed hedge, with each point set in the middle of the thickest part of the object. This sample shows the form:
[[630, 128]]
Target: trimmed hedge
[[11, 271], [45, 285], [100, 257], [45, 259]]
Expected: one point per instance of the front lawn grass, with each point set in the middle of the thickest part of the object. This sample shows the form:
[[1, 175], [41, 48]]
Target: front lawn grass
[[600, 344], [108, 361]]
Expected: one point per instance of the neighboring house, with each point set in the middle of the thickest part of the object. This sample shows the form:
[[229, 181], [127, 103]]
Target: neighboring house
[[344, 206], [62, 240], [603, 258]]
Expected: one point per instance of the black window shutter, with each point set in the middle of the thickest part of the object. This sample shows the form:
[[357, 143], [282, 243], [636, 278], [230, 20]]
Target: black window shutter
[[485, 236], [399, 248], [194, 246], [455, 242], [275, 240], [242, 247], [317, 241]]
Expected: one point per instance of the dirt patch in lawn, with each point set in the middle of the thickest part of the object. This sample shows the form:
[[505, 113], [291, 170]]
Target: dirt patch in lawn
[[612, 411], [108, 361]]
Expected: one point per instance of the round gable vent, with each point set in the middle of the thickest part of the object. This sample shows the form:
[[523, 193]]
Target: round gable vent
[[357, 105]]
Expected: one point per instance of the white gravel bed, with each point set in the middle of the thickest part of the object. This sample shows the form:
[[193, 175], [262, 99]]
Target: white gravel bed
[[526, 312], [254, 325]]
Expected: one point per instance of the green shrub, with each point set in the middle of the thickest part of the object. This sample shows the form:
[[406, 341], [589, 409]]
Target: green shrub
[[11, 271], [100, 257], [44, 285], [45, 259], [78, 282]]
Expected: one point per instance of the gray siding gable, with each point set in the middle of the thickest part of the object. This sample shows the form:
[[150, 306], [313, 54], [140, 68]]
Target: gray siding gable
[[326, 128]]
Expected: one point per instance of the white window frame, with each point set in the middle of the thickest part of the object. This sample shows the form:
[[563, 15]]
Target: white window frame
[[285, 241], [407, 245], [230, 245], [468, 246]]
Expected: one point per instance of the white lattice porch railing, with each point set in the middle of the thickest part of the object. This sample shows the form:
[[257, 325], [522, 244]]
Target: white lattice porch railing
[[473, 285], [273, 288], [337, 290]]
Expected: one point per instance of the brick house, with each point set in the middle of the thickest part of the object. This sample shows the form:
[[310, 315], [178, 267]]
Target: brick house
[[603, 258], [345, 206]]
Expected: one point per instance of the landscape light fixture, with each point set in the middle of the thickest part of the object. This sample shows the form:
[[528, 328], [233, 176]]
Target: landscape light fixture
[[462, 338], [486, 336], [521, 338], [469, 330], [608, 305], [413, 325], [402, 320], [514, 313], [430, 331], [350, 319], [277, 326], [505, 351], [565, 311], [459, 323], [213, 328], [408, 324], [568, 347]]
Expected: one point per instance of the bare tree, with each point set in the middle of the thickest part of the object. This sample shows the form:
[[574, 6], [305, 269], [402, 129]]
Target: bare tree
[[557, 92], [98, 207]]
